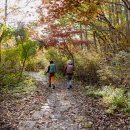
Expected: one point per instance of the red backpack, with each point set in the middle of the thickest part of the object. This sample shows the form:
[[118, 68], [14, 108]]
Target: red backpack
[[69, 69]]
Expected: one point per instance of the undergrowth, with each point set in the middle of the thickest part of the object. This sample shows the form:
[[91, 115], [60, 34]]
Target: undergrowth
[[115, 98], [13, 90]]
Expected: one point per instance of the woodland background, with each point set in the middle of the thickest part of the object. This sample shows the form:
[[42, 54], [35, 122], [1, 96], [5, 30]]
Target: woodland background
[[95, 34]]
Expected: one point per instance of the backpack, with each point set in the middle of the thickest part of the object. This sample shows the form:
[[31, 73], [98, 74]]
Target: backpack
[[69, 69], [52, 68]]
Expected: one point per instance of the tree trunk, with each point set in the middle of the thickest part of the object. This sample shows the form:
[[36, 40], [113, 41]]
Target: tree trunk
[[81, 35], [127, 22], [95, 41], [6, 8], [1, 37]]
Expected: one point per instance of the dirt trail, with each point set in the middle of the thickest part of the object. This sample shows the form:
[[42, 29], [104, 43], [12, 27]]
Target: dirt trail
[[61, 109], [59, 112]]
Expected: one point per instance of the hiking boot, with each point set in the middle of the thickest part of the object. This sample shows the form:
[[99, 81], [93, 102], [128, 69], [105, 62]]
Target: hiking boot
[[53, 87], [70, 86]]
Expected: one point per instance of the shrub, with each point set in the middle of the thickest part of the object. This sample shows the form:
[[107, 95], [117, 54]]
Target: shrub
[[9, 68], [117, 70], [86, 66], [59, 75], [115, 98], [10, 60], [10, 88], [34, 64]]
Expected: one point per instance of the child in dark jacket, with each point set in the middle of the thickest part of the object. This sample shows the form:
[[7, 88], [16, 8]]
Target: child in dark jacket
[[51, 77]]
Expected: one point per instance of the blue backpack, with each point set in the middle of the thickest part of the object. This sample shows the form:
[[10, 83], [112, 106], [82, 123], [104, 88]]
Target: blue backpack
[[52, 68]]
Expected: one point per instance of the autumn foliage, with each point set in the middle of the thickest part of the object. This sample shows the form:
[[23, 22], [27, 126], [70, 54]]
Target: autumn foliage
[[53, 12]]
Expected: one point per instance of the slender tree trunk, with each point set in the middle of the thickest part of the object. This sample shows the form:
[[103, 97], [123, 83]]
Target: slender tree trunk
[[95, 41], [24, 61], [70, 53], [127, 22], [81, 35], [110, 19], [86, 33], [127, 4], [5, 20], [6, 8], [1, 37], [21, 72], [117, 13]]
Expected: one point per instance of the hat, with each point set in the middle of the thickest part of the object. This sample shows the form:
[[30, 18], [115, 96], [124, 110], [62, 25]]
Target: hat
[[69, 62]]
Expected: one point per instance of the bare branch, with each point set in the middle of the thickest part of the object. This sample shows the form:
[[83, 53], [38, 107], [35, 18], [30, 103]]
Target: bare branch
[[113, 3], [127, 4], [18, 8]]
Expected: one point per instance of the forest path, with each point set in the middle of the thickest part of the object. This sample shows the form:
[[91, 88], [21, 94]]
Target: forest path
[[62, 110], [70, 109], [59, 109]]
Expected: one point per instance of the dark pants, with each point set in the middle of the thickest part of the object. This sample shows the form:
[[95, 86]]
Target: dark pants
[[69, 80]]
